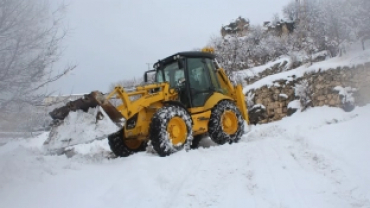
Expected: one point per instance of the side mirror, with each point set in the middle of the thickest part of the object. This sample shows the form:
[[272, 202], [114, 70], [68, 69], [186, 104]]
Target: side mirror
[[146, 74]]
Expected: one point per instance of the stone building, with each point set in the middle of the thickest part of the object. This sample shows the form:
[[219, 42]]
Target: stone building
[[239, 27], [281, 28]]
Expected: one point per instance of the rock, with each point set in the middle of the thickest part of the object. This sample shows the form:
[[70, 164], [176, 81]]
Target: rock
[[285, 109], [270, 112], [275, 66], [348, 106], [283, 65], [291, 111], [321, 98], [257, 114], [283, 97], [333, 102], [297, 64], [278, 110]]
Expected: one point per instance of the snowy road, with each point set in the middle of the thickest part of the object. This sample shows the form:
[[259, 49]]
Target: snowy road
[[318, 158]]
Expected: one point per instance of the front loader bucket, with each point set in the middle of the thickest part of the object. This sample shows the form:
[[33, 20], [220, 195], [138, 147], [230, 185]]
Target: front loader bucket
[[92, 100], [82, 121]]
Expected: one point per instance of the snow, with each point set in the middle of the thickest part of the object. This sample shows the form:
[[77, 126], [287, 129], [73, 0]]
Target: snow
[[351, 59], [249, 98], [295, 104], [283, 95], [346, 93], [315, 158], [276, 84], [324, 53], [79, 127], [258, 106], [253, 72]]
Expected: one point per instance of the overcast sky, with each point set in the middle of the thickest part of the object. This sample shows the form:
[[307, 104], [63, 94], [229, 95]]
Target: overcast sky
[[112, 40]]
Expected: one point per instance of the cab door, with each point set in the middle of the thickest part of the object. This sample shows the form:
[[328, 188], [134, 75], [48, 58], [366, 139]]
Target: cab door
[[202, 80]]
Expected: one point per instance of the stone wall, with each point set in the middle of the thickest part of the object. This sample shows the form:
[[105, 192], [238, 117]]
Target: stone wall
[[274, 69], [283, 66], [271, 103]]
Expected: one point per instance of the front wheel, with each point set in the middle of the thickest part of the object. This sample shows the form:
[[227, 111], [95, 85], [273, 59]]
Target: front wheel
[[123, 148], [226, 124], [170, 130]]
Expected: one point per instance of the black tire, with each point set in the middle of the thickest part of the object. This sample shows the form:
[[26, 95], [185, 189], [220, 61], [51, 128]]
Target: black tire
[[196, 140], [120, 148], [215, 126], [161, 137]]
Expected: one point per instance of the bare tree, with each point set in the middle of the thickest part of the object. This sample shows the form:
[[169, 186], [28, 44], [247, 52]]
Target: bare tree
[[231, 52], [291, 11], [360, 19], [30, 38]]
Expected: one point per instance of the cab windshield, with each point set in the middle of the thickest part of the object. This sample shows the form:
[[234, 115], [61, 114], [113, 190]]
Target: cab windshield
[[199, 76], [172, 74]]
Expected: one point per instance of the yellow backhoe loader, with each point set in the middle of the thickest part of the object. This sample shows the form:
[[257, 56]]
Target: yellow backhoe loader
[[185, 96]]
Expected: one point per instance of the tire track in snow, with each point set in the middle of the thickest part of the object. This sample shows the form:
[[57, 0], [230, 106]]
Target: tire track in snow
[[312, 161], [265, 169], [235, 178], [281, 181], [286, 157], [222, 182], [278, 148], [176, 189]]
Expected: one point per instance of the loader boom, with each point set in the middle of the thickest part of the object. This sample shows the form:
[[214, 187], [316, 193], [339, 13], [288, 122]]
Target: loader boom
[[147, 96], [236, 92]]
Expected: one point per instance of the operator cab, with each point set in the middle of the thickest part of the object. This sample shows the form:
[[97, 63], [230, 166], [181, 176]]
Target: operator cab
[[192, 74]]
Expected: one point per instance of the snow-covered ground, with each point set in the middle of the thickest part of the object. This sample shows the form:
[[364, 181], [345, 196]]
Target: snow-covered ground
[[316, 158]]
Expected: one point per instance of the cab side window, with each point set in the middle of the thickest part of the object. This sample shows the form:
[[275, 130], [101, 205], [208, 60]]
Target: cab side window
[[199, 78]]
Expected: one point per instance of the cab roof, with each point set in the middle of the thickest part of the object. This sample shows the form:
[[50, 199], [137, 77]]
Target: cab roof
[[191, 54]]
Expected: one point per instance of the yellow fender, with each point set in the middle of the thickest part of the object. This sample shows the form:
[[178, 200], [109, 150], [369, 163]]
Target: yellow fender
[[240, 102]]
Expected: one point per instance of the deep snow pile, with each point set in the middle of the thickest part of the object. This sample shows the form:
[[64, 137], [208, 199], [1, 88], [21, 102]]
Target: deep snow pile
[[316, 158], [80, 128]]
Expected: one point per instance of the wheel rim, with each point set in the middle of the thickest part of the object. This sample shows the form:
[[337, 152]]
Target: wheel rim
[[229, 122], [133, 143], [176, 129]]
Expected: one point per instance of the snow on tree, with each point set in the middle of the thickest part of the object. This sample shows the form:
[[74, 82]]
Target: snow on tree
[[30, 37], [290, 11], [303, 90], [359, 19], [314, 26]]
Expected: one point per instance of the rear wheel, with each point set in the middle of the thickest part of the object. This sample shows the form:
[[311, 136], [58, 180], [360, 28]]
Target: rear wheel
[[226, 123], [170, 130], [124, 148]]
